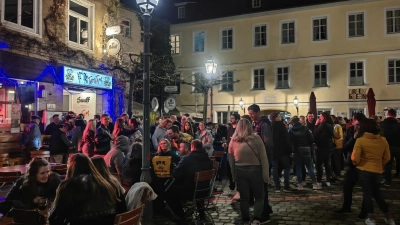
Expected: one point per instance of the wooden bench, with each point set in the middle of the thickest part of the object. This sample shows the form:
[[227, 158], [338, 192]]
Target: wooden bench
[[9, 143]]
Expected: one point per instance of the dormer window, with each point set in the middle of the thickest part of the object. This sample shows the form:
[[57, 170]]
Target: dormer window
[[181, 12], [256, 3]]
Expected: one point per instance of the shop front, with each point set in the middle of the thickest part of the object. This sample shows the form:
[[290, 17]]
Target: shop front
[[85, 91]]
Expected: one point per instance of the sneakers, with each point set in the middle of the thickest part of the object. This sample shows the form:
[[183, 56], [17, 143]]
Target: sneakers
[[386, 184], [294, 179], [255, 222], [328, 184], [300, 187], [370, 222], [282, 179], [389, 221], [342, 210], [237, 196], [277, 190], [288, 189], [316, 186], [229, 193]]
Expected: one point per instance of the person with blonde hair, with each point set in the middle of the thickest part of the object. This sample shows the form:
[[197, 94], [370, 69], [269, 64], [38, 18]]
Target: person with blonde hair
[[164, 149], [160, 132], [85, 197], [88, 138], [250, 168]]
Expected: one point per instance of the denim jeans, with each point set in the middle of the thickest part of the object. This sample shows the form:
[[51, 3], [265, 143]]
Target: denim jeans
[[389, 165], [229, 174], [336, 161], [299, 160], [323, 157], [350, 180], [249, 178], [285, 162], [370, 184]]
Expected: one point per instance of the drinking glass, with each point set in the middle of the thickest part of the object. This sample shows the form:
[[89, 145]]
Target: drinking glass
[[42, 203]]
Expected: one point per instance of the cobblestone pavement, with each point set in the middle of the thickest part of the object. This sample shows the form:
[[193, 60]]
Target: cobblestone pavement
[[307, 207]]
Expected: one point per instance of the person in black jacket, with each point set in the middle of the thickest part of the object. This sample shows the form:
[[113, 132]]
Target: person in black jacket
[[60, 145], [85, 197], [103, 136], [281, 152], [37, 183], [391, 131], [301, 140], [184, 173], [53, 125], [351, 176], [323, 135]]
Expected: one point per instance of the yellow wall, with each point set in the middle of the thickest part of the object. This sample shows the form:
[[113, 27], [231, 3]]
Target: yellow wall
[[374, 49]]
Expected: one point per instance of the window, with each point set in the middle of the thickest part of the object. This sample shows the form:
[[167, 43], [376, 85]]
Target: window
[[288, 32], [23, 15], [356, 73], [197, 80], [256, 3], [393, 21], [181, 12], [260, 35], [356, 24], [227, 39], [259, 79], [394, 71], [320, 29], [80, 23], [320, 75], [125, 28], [282, 78], [199, 41], [319, 111], [227, 81], [174, 38]]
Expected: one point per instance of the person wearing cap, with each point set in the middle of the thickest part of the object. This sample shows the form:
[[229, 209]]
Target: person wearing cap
[[30, 139], [59, 144]]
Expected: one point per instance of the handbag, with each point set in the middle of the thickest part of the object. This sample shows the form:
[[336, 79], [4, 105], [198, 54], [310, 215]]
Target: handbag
[[31, 217], [258, 157]]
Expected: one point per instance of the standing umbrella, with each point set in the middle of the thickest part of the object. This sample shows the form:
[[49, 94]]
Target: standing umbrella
[[371, 102], [313, 104]]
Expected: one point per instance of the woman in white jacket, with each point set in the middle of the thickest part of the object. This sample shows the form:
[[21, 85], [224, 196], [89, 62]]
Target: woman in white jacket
[[206, 138]]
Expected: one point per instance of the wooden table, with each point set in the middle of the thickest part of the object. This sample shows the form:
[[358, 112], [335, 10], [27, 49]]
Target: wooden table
[[22, 168], [9, 220]]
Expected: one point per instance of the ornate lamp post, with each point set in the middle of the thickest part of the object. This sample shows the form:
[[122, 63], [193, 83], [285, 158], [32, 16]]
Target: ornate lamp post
[[211, 69], [296, 103], [146, 7], [241, 104]]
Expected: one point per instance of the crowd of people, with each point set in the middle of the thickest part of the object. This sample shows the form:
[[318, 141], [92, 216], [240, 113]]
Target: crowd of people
[[261, 152]]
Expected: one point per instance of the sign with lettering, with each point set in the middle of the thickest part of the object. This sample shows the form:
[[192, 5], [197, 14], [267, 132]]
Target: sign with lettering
[[359, 93], [113, 46], [170, 103], [84, 103], [70, 75]]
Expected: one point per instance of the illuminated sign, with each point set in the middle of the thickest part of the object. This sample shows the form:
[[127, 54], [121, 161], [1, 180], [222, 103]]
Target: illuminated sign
[[76, 76]]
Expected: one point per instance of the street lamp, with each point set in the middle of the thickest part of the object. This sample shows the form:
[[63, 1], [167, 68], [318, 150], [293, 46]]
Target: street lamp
[[211, 68], [296, 103], [241, 104], [146, 7]]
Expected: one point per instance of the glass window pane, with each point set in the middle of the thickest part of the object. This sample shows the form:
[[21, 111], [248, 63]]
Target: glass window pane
[[27, 13], [73, 28], [323, 22], [262, 72], [359, 73], [286, 70], [84, 33], [351, 18], [257, 29], [391, 63], [397, 71], [352, 73], [359, 65], [78, 8], [397, 13], [391, 72], [279, 70], [316, 22], [291, 25], [284, 26], [323, 67], [360, 17], [397, 79], [11, 11], [352, 66], [351, 25], [316, 75], [264, 28], [389, 13], [323, 75]]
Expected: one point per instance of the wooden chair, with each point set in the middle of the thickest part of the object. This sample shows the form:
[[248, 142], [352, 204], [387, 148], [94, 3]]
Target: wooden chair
[[218, 154], [9, 177], [40, 153], [129, 218]]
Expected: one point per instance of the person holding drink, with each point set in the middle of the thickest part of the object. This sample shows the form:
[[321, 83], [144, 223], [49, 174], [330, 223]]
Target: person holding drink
[[34, 188]]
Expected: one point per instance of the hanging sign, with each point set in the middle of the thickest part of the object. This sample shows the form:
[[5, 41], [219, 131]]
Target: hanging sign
[[113, 46], [171, 88], [154, 104], [15, 118], [170, 103], [76, 76]]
